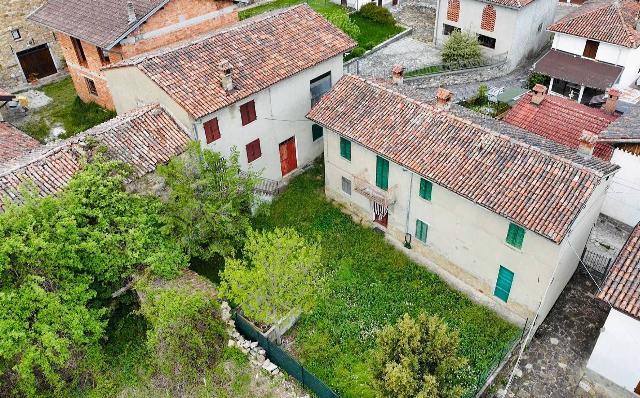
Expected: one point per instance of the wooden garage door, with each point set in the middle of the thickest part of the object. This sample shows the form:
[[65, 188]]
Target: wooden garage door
[[288, 158], [36, 62]]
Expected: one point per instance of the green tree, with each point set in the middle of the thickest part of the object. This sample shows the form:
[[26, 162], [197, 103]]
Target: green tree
[[537, 78], [377, 13], [418, 358], [461, 47], [341, 20], [210, 202], [280, 273]]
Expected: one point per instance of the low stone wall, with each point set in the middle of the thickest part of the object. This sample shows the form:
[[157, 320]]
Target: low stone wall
[[351, 66], [459, 76]]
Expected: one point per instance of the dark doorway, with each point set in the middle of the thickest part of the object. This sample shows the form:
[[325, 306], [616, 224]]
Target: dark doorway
[[288, 158], [380, 3], [382, 220], [394, 2], [36, 62]]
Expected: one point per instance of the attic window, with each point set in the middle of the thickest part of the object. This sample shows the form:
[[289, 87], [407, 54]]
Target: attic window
[[16, 35]]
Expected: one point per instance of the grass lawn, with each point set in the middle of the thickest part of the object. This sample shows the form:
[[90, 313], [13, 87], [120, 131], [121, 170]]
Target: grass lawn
[[369, 285], [321, 6], [66, 110]]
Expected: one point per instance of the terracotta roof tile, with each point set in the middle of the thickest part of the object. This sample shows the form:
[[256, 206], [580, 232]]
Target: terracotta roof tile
[[14, 142], [143, 138], [621, 289], [262, 50], [609, 21], [561, 120], [530, 185], [625, 129]]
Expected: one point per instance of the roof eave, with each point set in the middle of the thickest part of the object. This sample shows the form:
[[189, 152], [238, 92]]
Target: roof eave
[[137, 24]]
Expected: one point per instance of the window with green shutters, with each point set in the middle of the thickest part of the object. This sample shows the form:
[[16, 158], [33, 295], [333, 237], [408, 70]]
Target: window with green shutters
[[425, 189], [382, 173], [503, 284], [316, 132], [515, 235], [345, 148], [421, 231]]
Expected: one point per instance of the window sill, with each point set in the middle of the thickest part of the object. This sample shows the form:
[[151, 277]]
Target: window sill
[[515, 249]]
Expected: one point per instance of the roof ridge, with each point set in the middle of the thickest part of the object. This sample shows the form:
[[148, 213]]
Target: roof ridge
[[485, 129]]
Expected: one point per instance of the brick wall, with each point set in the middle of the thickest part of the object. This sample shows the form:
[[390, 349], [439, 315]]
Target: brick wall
[[179, 10], [488, 21], [453, 10]]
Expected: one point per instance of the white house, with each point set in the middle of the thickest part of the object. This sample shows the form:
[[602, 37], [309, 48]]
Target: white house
[[615, 355], [247, 86], [502, 210], [516, 28], [594, 48]]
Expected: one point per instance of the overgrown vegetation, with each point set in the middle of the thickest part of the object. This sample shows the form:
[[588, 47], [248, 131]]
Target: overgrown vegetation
[[370, 285], [461, 47], [378, 14], [65, 110], [480, 103], [537, 78]]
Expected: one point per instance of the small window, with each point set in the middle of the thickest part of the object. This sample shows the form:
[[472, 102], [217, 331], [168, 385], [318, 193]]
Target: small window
[[16, 35], [316, 132], [248, 112], [104, 56], [540, 27], [253, 150], [487, 41], [503, 284], [515, 235], [319, 86], [91, 86], [590, 49], [346, 186], [211, 130], [77, 47], [425, 189], [448, 29], [345, 148], [421, 231], [382, 173]]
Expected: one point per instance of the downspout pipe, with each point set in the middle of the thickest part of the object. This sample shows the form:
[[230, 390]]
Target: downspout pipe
[[407, 235]]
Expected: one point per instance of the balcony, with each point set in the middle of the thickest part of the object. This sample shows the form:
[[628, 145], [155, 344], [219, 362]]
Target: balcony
[[373, 193]]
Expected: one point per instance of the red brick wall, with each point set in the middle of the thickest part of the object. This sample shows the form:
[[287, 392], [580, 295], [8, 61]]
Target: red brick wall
[[488, 22], [177, 10], [453, 10]]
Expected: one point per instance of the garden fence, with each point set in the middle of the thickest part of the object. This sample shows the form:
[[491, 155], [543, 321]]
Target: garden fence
[[281, 358]]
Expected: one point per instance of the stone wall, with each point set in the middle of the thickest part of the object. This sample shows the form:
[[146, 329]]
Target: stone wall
[[12, 16], [459, 77]]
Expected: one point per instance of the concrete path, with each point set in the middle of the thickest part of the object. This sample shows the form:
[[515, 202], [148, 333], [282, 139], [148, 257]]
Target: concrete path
[[409, 52]]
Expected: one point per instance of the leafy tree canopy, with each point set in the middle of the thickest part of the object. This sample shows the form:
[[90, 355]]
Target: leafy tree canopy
[[461, 47]]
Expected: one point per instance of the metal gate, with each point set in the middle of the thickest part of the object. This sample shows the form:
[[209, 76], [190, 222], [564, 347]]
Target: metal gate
[[597, 264]]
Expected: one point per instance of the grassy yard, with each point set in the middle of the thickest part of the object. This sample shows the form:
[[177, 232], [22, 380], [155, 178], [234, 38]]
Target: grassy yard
[[66, 110], [369, 285], [321, 6]]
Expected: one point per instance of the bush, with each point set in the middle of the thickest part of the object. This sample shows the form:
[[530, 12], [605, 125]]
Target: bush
[[341, 20], [461, 47], [358, 52], [537, 78], [376, 13], [369, 45]]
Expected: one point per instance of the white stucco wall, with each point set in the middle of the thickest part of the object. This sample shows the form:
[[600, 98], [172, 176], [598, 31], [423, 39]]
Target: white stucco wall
[[623, 197], [617, 350], [357, 4], [464, 238], [280, 112]]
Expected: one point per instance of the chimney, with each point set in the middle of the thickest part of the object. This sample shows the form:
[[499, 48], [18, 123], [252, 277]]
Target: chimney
[[443, 98], [226, 70], [397, 74], [612, 100], [538, 94], [587, 143], [131, 12]]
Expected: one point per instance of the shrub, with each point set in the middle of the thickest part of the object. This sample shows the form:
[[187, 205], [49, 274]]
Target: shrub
[[341, 20], [419, 358], [537, 78], [376, 13], [369, 45], [358, 52], [461, 47]]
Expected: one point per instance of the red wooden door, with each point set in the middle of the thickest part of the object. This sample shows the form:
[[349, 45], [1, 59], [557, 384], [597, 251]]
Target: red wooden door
[[384, 220], [288, 158]]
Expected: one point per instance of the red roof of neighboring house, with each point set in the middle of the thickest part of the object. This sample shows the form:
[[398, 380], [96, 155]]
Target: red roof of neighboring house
[[621, 289], [518, 175], [13, 142], [561, 120], [609, 21], [142, 138]]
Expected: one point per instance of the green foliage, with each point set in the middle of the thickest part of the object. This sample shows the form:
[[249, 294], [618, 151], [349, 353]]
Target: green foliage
[[358, 52], [378, 14], [418, 357], [369, 284], [210, 202], [461, 47], [340, 19], [537, 78], [482, 96], [279, 273], [186, 334]]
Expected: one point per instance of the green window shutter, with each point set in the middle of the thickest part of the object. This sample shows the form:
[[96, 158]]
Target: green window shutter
[[316, 131], [515, 235], [503, 284], [382, 173], [425, 189], [345, 148], [421, 230]]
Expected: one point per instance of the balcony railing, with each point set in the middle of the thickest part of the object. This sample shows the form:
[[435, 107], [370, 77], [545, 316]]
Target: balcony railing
[[373, 193]]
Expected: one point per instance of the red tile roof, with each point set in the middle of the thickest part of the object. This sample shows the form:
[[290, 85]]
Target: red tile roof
[[14, 142], [530, 185], [621, 289], [609, 21], [143, 138], [262, 50], [561, 120], [99, 22]]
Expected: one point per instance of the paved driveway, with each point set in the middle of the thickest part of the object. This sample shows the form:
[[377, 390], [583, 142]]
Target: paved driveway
[[409, 52]]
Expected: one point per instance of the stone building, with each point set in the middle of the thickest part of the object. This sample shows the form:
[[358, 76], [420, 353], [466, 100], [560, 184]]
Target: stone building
[[27, 51], [96, 33]]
